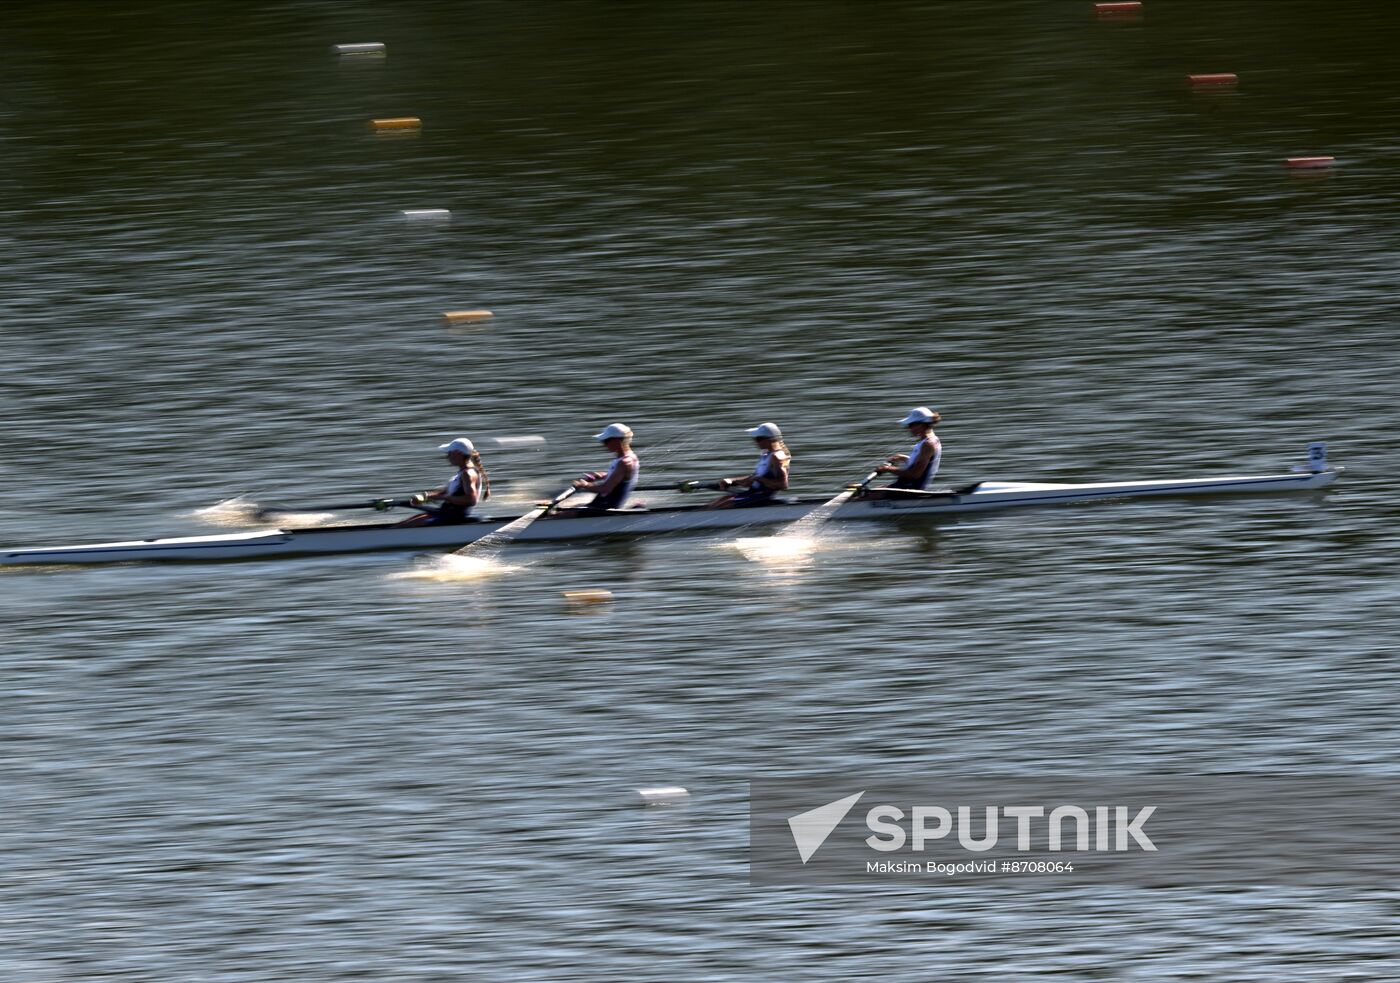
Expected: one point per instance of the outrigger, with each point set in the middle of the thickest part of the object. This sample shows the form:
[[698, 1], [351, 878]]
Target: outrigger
[[875, 503]]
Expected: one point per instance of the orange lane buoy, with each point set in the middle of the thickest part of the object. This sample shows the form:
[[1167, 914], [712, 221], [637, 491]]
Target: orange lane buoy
[[397, 123], [1306, 163], [1216, 78], [458, 317]]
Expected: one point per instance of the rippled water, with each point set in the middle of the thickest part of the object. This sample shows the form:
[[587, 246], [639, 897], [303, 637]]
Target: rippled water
[[691, 217]]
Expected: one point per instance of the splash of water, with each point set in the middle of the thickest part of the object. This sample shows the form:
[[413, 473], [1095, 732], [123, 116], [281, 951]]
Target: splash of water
[[489, 546], [477, 560], [807, 526], [775, 549], [454, 567], [237, 511], [241, 511], [795, 544]]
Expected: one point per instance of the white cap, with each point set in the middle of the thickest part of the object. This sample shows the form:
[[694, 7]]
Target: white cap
[[919, 414], [614, 430], [461, 445], [769, 430]]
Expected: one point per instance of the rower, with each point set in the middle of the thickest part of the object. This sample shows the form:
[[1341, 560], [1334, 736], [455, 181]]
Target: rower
[[913, 471], [769, 476], [611, 488], [462, 492]]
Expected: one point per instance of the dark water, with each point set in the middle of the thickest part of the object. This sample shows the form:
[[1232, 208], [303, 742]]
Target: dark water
[[691, 217]]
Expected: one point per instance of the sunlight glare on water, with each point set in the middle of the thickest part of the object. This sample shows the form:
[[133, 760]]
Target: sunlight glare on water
[[776, 549]]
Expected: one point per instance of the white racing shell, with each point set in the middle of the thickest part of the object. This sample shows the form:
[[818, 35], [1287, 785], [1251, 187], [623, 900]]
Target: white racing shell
[[638, 522]]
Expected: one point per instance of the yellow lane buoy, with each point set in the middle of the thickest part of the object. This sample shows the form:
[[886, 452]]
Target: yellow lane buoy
[[397, 123]]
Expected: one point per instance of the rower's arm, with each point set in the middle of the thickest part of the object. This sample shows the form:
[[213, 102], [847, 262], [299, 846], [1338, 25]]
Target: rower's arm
[[430, 496], [470, 494], [772, 484], [465, 499], [916, 464], [779, 483], [622, 474]]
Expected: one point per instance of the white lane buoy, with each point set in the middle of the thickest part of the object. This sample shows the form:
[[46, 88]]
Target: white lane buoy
[[372, 48], [667, 795], [426, 214], [595, 595], [525, 440]]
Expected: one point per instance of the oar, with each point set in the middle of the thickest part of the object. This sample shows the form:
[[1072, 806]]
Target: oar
[[861, 485], [492, 543], [553, 503], [682, 486], [805, 529], [378, 504]]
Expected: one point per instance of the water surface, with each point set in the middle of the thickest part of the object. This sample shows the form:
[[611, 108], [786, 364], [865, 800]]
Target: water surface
[[690, 217]]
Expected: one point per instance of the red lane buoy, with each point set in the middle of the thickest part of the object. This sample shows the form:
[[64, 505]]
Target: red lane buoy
[[1216, 78], [1127, 7], [1309, 163]]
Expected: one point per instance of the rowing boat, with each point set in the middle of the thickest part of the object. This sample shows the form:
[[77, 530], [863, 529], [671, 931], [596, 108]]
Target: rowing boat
[[567, 525]]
